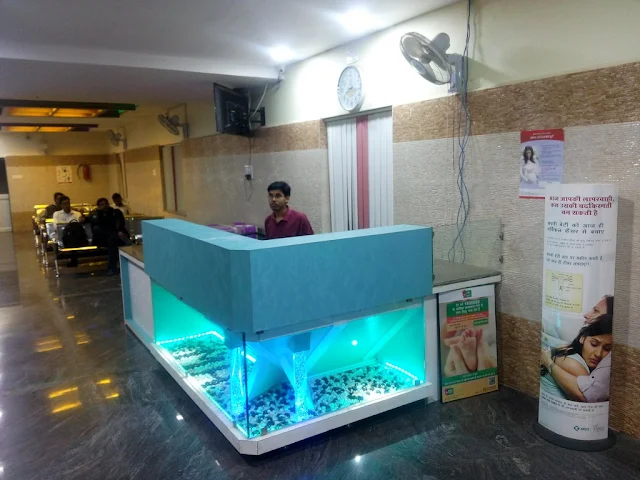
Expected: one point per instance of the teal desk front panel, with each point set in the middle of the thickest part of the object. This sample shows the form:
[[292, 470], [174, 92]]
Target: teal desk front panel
[[250, 286]]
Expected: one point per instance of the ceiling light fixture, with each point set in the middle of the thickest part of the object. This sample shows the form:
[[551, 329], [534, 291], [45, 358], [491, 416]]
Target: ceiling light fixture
[[47, 127], [42, 108], [281, 54], [359, 21]]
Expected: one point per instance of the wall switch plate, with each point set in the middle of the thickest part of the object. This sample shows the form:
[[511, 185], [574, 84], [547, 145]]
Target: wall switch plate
[[153, 172], [248, 172]]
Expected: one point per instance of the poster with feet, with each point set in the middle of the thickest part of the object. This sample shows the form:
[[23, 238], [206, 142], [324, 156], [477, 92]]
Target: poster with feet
[[468, 356]]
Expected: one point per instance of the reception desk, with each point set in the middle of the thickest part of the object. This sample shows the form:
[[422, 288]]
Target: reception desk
[[278, 341]]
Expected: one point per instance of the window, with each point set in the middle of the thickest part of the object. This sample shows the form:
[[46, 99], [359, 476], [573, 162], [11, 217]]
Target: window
[[172, 180]]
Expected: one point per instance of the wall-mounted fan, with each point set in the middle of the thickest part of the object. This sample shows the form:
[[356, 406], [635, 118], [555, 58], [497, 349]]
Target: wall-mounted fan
[[431, 60], [173, 125], [117, 138]]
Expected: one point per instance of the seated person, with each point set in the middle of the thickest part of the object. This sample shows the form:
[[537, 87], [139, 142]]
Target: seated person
[[118, 203], [64, 216], [51, 209], [109, 231]]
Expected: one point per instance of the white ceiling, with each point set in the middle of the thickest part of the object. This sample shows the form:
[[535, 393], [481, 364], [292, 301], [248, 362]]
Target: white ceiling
[[166, 51]]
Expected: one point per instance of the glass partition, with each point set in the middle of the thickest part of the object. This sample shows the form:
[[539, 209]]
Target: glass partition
[[481, 240]]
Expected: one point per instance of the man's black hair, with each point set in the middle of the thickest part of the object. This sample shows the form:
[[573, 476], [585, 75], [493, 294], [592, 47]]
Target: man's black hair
[[115, 195], [282, 186]]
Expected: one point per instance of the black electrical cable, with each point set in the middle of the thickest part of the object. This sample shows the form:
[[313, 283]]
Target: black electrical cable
[[463, 138]]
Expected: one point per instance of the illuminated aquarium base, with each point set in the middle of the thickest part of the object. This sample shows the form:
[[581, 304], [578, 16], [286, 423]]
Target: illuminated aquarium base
[[204, 359]]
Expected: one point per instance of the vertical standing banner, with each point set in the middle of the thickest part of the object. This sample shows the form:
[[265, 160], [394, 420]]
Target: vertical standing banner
[[541, 161], [581, 223], [468, 356]]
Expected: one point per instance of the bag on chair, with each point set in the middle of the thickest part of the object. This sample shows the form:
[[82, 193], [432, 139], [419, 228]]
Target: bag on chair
[[74, 236]]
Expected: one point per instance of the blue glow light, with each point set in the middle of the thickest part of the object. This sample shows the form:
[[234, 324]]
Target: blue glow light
[[237, 390], [300, 387], [354, 343], [180, 339], [250, 357], [395, 367]]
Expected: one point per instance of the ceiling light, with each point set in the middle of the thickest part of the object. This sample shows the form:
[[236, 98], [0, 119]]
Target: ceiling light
[[281, 54], [53, 129], [29, 112], [77, 112], [45, 108], [20, 129], [179, 417], [358, 21], [47, 127]]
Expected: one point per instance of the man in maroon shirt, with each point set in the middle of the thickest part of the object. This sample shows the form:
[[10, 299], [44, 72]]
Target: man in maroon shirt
[[284, 221]]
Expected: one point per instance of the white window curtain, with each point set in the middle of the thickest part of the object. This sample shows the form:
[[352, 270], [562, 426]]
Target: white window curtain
[[343, 174], [380, 169]]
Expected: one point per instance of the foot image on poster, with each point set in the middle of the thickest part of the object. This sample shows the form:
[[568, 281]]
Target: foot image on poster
[[468, 349]]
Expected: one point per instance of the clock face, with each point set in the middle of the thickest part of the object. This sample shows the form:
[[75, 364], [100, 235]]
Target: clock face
[[350, 93]]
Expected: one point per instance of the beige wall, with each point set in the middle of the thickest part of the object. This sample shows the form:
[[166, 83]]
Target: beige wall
[[512, 41], [72, 143], [32, 180], [144, 180], [215, 190], [600, 113]]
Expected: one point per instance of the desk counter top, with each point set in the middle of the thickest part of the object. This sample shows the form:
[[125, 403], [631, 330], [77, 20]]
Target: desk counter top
[[446, 273]]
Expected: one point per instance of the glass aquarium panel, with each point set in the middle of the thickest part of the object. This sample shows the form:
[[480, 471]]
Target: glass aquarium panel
[[265, 386], [213, 359], [310, 374]]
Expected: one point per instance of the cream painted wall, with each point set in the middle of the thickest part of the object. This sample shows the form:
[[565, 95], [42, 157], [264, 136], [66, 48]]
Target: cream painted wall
[[57, 143], [515, 41], [146, 130]]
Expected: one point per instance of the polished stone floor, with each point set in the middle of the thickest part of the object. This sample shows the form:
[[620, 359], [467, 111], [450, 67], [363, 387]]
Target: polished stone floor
[[81, 398]]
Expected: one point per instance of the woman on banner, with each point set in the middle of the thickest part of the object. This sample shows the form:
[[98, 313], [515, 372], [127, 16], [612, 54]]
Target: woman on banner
[[529, 167], [572, 372]]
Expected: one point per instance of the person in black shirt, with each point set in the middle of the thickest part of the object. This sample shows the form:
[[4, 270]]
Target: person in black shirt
[[109, 231], [54, 207]]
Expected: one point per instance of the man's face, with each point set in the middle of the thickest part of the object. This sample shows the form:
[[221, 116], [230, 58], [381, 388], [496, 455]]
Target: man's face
[[597, 310], [277, 200], [66, 205], [118, 201], [57, 199], [102, 205]]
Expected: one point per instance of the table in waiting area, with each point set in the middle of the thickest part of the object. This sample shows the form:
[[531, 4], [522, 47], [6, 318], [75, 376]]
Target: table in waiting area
[[282, 340]]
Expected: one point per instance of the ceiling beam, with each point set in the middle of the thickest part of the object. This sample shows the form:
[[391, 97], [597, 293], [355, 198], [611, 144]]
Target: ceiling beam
[[75, 55]]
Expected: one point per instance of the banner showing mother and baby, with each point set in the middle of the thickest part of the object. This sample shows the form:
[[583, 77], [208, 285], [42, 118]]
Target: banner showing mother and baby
[[581, 224], [541, 161]]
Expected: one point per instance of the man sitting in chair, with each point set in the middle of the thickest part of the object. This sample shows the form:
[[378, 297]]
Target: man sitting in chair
[[65, 216], [109, 231]]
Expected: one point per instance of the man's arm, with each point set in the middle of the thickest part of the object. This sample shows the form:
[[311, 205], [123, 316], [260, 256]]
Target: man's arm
[[305, 226], [120, 223], [595, 386], [267, 235]]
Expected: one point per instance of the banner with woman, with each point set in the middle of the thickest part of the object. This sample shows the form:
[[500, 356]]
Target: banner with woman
[[581, 223]]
